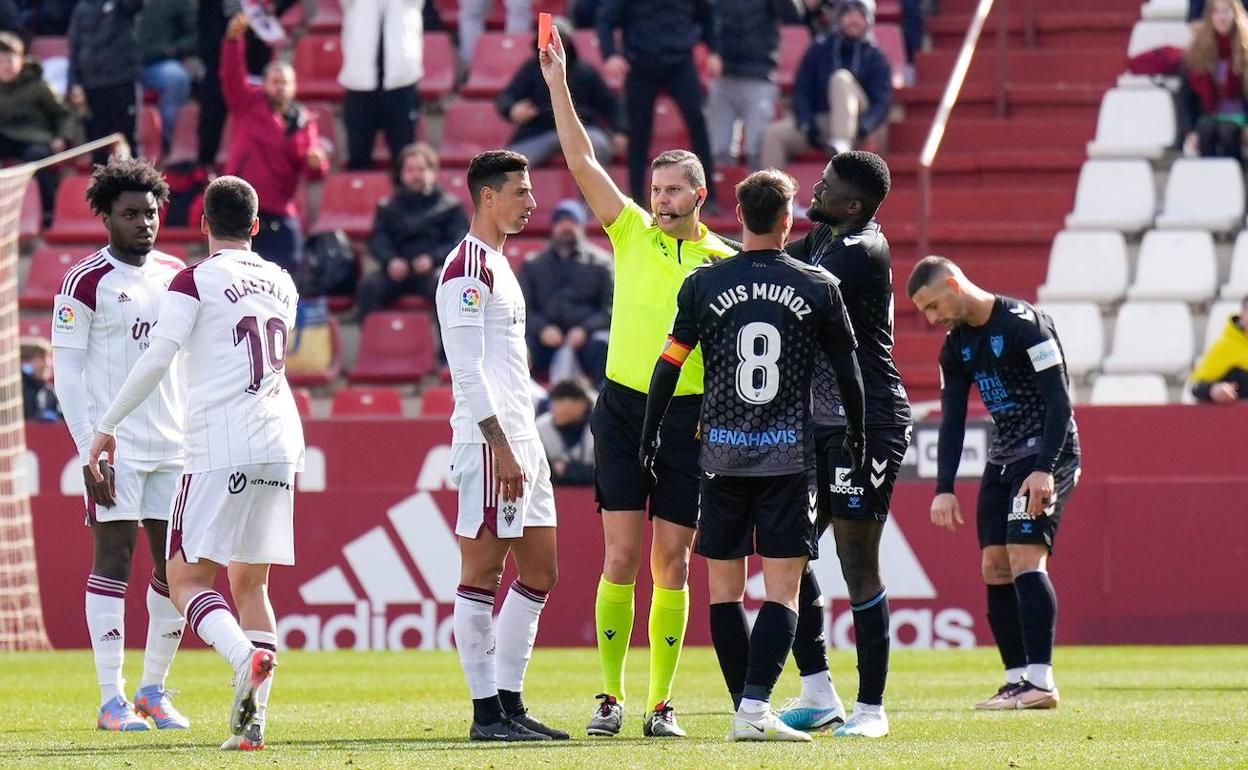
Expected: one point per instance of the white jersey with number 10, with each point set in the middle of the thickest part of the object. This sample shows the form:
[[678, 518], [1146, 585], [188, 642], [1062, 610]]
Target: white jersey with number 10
[[232, 315]]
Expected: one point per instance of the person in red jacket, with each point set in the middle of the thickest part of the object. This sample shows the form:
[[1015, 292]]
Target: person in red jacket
[[273, 144], [1217, 61]]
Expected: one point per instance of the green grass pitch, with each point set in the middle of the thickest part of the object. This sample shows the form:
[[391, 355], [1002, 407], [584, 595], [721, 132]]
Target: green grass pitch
[[1126, 707]]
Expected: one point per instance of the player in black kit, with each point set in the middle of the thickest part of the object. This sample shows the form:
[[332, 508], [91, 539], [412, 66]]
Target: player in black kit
[[760, 317], [848, 242], [1011, 352]]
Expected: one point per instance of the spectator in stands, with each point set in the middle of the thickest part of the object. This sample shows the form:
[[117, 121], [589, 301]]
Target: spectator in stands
[[33, 122], [749, 35], [843, 92], [1217, 60], [413, 232], [568, 290], [168, 35], [584, 14], [273, 145], [104, 66], [382, 61], [38, 398], [659, 38], [46, 17], [526, 104], [566, 437], [1222, 375], [472, 15], [1196, 9]]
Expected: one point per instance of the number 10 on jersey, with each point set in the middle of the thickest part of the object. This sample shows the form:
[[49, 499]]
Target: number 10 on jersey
[[273, 339]]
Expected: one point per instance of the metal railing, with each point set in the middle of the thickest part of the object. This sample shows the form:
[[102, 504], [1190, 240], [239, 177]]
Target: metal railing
[[72, 152]]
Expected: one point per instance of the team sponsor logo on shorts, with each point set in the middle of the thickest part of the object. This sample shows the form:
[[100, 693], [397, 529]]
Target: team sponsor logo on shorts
[[238, 482], [843, 483], [63, 319], [470, 302], [271, 483]]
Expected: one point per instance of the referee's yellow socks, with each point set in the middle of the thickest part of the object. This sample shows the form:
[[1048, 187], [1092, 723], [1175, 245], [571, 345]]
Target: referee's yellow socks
[[669, 614], [613, 613]]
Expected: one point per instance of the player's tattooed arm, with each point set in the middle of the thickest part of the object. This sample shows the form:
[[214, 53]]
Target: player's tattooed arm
[[509, 477]]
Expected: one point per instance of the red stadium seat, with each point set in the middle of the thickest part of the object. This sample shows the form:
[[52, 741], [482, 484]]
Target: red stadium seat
[[669, 127], [590, 52], [367, 402], [48, 47], [186, 134], [518, 250], [31, 221], [37, 327], [439, 79], [326, 128], [318, 58], [894, 48], [47, 270], [74, 223], [472, 127], [328, 16], [794, 40], [350, 200], [438, 401], [150, 127], [495, 60], [395, 347], [303, 401]]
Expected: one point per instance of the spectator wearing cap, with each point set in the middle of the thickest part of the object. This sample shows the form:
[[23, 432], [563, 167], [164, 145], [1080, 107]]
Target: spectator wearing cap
[[566, 437], [33, 121], [525, 103], [413, 231], [843, 92], [749, 35], [1222, 375], [568, 289]]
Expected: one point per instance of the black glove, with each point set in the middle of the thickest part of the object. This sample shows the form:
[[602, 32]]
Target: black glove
[[855, 449], [647, 454]]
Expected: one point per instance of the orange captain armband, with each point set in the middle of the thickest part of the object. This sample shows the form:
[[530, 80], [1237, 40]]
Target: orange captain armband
[[675, 351]]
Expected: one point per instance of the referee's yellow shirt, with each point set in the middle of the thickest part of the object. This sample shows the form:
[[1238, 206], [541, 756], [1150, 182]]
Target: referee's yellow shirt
[[650, 266]]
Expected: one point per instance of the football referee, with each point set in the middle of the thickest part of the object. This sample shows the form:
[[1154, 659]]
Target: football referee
[[654, 251]]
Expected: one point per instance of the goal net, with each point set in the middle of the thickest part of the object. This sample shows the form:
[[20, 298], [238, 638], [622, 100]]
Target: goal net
[[21, 614]]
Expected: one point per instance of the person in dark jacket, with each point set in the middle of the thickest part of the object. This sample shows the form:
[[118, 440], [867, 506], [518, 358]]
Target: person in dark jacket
[[659, 37], [33, 122], [526, 104], [843, 93], [39, 402], [168, 35], [566, 437], [412, 233], [104, 64], [568, 291], [749, 38]]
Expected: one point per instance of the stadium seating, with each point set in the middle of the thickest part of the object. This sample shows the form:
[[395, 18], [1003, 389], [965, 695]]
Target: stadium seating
[[587, 47], [47, 47], [303, 401], [894, 47], [669, 128], [31, 220], [38, 327], [1083, 339], [1164, 10], [1134, 123], [1147, 35], [1152, 337], [185, 145], [1114, 195], [794, 40], [318, 58], [149, 132], [438, 401], [1176, 265], [350, 200], [367, 402], [1236, 286], [395, 347], [47, 270], [1204, 194], [1129, 390], [1216, 321], [1086, 266], [74, 220], [439, 58], [495, 60], [473, 126]]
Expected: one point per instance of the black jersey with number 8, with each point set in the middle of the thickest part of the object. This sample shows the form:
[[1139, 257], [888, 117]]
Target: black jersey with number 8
[[760, 317]]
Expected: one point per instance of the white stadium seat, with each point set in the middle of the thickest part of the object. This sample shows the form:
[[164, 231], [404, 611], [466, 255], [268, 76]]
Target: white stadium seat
[[1219, 314], [1134, 123], [1079, 328], [1176, 265], [1114, 195], [1165, 10], [1086, 266], [1152, 337], [1236, 287], [1129, 390], [1147, 35], [1204, 194]]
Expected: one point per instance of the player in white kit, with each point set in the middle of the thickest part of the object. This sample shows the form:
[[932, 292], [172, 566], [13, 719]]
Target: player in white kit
[[101, 322], [506, 503], [230, 315]]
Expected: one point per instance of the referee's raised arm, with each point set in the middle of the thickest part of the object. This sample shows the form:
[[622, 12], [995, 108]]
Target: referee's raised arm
[[601, 193]]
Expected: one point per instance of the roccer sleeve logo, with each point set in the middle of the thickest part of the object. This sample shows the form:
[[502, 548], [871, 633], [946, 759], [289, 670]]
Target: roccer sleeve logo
[[470, 302], [63, 319]]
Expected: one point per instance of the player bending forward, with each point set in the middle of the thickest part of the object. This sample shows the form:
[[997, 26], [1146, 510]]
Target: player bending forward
[[101, 324], [506, 502], [759, 317], [230, 315]]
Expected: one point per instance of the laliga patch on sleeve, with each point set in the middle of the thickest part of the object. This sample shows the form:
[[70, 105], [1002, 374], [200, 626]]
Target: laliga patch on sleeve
[[63, 319], [470, 302], [1045, 355]]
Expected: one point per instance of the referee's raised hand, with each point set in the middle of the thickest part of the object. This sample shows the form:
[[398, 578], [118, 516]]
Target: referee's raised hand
[[553, 60]]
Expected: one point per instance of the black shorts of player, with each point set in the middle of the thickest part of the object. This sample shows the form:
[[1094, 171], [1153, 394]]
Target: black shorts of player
[[620, 483], [867, 493], [773, 516], [1002, 517]]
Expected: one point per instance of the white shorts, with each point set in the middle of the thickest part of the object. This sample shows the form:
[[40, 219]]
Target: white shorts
[[144, 490], [472, 470], [243, 514]]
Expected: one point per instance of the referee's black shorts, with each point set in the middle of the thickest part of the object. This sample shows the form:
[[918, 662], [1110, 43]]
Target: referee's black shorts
[[620, 483]]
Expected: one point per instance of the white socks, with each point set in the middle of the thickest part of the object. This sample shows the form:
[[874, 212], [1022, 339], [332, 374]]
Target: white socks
[[164, 634], [474, 639], [1015, 675], [105, 610], [263, 640], [753, 708], [817, 690], [213, 622], [1041, 675], [516, 633]]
